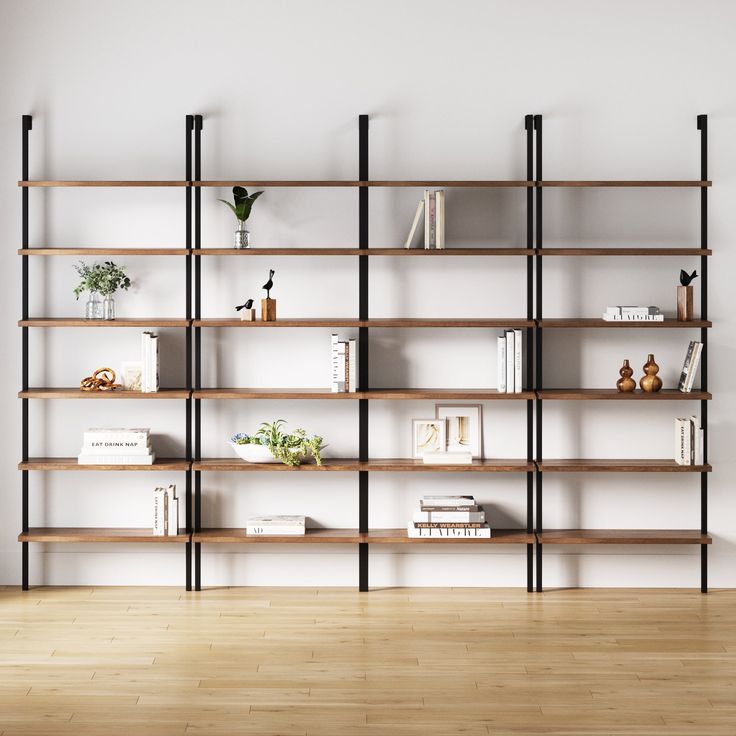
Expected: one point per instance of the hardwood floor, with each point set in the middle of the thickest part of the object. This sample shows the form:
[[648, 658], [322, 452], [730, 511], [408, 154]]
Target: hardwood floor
[[327, 662]]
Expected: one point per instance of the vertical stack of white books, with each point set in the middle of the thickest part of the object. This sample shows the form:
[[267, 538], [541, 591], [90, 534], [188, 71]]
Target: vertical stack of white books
[[116, 447], [276, 526], [433, 205], [449, 517], [688, 441], [149, 363], [344, 364], [165, 512], [510, 362]]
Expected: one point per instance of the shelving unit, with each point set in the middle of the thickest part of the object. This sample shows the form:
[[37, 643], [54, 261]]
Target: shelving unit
[[534, 465], [545, 465]]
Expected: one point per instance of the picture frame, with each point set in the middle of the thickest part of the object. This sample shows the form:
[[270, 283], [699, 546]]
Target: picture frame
[[427, 435], [463, 427]]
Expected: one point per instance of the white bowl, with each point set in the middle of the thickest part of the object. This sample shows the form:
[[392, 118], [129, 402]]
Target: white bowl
[[254, 453]]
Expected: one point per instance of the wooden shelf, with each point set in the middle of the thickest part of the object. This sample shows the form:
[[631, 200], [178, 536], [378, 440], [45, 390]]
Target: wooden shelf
[[359, 252], [627, 183], [612, 394], [103, 251], [76, 393], [127, 322], [397, 465], [387, 394], [70, 463], [498, 536], [618, 466], [624, 536], [95, 534], [596, 323], [625, 252], [313, 536], [400, 322], [60, 183], [479, 184]]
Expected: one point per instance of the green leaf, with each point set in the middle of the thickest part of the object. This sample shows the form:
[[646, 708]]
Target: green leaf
[[239, 194]]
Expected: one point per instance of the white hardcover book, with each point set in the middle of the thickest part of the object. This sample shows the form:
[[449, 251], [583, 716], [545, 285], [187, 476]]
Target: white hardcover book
[[518, 361], [447, 458], [145, 377], [117, 433], [276, 525], [693, 368], [432, 220], [85, 459], [173, 511], [353, 366], [333, 364], [682, 441], [415, 532], [340, 367], [700, 452], [427, 233], [277, 520], [457, 516], [447, 500], [115, 448], [158, 512], [414, 224], [166, 513], [275, 531], [439, 239], [501, 363], [686, 366], [510, 372], [155, 364]]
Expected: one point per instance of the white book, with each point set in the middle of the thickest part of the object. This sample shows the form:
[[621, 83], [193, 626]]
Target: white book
[[415, 532], [166, 513], [277, 520], [276, 525], [353, 367], [340, 367], [158, 512], [172, 506], [427, 220], [518, 361], [633, 317], [115, 448], [145, 378], [682, 441], [154, 364], [440, 219], [684, 374], [85, 459], [501, 363], [334, 375], [447, 458], [699, 457], [447, 500], [432, 220], [445, 516], [510, 372], [693, 368], [117, 433], [275, 531], [414, 224]]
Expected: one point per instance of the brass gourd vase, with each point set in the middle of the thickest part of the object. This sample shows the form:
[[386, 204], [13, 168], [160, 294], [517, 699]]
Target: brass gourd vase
[[650, 381], [626, 383]]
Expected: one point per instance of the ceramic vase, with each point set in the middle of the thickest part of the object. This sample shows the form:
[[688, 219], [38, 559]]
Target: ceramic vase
[[650, 381], [626, 383]]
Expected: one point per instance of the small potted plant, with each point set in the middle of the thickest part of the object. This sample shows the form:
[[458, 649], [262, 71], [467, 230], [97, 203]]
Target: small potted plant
[[271, 444], [100, 280], [241, 207]]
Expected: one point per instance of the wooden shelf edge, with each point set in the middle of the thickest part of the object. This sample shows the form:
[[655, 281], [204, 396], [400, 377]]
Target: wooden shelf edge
[[624, 252], [71, 464], [624, 536], [106, 535], [646, 183], [585, 465], [612, 394], [378, 323], [164, 394], [101, 183], [103, 251], [596, 323], [397, 465], [99, 323], [374, 394], [367, 251]]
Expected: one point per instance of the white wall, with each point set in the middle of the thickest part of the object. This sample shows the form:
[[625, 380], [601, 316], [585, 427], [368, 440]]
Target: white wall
[[447, 85]]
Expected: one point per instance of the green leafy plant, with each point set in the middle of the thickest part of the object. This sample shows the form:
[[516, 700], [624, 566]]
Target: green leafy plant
[[243, 203], [288, 447], [104, 278]]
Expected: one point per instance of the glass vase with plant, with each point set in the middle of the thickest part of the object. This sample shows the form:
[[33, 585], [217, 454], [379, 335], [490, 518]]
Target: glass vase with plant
[[241, 207], [290, 448], [100, 280]]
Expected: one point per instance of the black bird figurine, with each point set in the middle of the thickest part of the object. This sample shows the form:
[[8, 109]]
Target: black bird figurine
[[269, 284], [686, 278], [247, 305]]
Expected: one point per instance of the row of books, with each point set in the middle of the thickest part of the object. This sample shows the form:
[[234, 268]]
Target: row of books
[[449, 517], [116, 447], [276, 526], [510, 361], [633, 314], [165, 512], [690, 366], [149, 363], [344, 365], [688, 441], [433, 205]]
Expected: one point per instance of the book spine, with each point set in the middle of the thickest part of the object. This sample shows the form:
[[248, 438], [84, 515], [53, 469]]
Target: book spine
[[443, 516], [686, 367], [463, 533], [333, 363], [448, 525], [697, 351], [353, 347], [166, 513], [501, 363], [440, 219], [414, 224], [700, 453], [682, 441], [275, 531], [429, 499], [449, 508], [510, 362], [432, 220], [518, 362], [173, 511], [340, 367], [158, 521], [155, 365], [144, 363], [346, 367], [427, 235]]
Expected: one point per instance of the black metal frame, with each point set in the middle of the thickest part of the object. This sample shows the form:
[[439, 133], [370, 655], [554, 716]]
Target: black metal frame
[[198, 124], [188, 237], [539, 343], [27, 125], [703, 128]]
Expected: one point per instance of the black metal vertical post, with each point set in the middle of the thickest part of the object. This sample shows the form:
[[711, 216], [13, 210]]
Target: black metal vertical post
[[363, 381], [529, 127], [197, 349], [27, 126], [188, 238], [538, 350], [703, 128]]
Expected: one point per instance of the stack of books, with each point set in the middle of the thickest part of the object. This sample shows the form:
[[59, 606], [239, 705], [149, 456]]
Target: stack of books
[[344, 365], [449, 517], [510, 361], [690, 366], [688, 441], [276, 526], [433, 205], [116, 447], [633, 314], [149, 363], [165, 512]]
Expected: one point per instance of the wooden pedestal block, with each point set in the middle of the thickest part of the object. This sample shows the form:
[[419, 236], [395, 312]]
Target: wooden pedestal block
[[268, 310], [248, 315], [685, 303]]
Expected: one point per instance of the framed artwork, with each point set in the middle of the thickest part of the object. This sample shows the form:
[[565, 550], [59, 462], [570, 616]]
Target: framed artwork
[[131, 375], [428, 435], [464, 428]]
